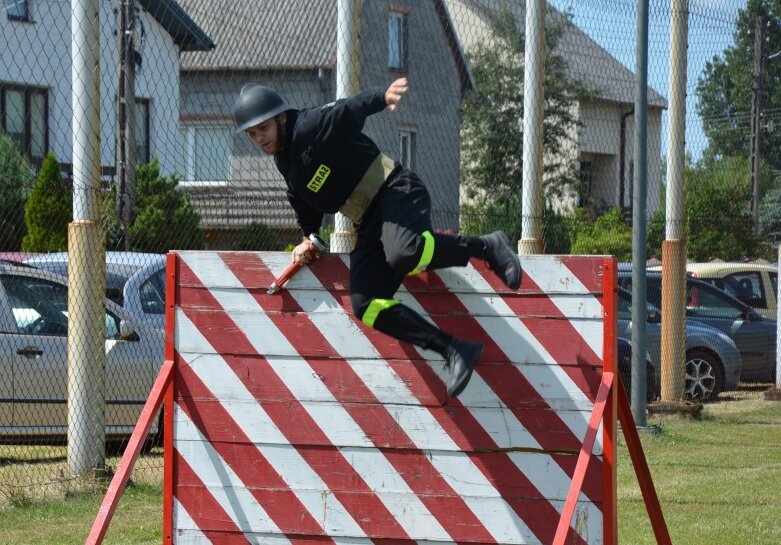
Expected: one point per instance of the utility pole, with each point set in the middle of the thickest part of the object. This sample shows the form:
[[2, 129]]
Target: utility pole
[[126, 173], [756, 119]]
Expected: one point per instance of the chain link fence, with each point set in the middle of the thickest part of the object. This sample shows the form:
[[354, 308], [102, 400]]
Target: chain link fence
[[174, 174]]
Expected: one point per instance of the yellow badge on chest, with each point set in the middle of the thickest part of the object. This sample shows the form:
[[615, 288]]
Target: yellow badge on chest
[[319, 178]]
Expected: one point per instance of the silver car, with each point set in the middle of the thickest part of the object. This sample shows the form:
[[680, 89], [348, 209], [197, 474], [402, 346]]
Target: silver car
[[712, 360], [33, 358], [134, 280]]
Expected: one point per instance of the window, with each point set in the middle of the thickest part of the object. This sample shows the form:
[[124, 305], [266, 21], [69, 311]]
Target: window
[[40, 307], [746, 287], [141, 130], [152, 293], [703, 300], [407, 149], [17, 10], [586, 181], [205, 153], [397, 41], [23, 116]]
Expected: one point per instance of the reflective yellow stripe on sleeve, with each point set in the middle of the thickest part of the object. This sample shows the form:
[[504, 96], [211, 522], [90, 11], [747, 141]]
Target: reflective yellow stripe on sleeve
[[426, 256], [375, 307]]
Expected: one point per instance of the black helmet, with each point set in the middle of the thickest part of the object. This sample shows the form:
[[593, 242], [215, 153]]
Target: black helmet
[[257, 103]]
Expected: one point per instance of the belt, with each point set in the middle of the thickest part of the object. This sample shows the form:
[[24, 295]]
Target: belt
[[359, 200]]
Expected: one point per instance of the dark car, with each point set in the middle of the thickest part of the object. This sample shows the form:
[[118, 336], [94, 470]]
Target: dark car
[[625, 371], [753, 334]]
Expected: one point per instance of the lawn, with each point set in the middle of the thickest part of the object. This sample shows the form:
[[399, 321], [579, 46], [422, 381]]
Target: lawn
[[718, 480]]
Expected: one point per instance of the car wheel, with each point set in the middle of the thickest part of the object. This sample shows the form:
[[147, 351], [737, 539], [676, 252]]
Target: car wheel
[[704, 375]]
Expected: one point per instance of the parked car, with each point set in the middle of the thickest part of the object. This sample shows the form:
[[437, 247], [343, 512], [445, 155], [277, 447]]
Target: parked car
[[625, 371], [756, 284], [134, 280], [33, 358], [752, 333], [712, 362]]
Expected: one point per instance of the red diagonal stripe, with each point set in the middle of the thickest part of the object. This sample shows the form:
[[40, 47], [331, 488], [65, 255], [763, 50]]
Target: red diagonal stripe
[[465, 430], [362, 504], [376, 422], [205, 511]]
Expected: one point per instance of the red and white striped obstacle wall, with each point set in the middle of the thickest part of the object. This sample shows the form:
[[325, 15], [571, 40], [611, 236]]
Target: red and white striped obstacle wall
[[290, 422]]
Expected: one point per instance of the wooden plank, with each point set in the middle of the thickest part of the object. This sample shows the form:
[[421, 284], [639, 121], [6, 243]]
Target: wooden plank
[[264, 330], [384, 379], [507, 434], [542, 276], [252, 524]]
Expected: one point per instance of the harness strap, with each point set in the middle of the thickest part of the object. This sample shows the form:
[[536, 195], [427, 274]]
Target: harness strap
[[359, 200]]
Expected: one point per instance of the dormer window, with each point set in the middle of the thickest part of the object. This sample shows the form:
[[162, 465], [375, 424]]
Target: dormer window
[[17, 10], [397, 41]]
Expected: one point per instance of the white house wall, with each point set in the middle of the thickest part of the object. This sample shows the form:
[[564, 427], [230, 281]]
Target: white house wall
[[600, 139], [46, 62]]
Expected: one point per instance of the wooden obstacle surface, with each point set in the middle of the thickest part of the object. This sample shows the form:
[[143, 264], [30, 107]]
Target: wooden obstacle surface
[[295, 422]]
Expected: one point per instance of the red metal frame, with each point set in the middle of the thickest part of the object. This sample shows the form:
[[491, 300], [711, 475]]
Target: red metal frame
[[609, 419], [605, 388], [172, 263], [611, 404], [133, 450]]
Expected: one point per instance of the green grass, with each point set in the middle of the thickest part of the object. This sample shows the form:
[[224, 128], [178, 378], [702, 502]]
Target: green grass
[[718, 480]]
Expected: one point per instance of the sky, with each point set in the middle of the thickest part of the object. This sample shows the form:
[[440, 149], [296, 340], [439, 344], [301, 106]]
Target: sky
[[612, 24]]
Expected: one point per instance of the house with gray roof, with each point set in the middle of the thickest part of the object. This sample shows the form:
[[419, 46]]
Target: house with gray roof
[[603, 145], [291, 46], [35, 78]]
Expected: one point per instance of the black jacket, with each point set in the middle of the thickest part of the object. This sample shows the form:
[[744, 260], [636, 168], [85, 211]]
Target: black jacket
[[326, 155]]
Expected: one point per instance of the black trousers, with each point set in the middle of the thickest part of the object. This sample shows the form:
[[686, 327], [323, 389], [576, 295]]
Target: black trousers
[[390, 244]]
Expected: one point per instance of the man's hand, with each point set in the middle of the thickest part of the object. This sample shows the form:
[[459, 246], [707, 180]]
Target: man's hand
[[304, 253], [395, 92]]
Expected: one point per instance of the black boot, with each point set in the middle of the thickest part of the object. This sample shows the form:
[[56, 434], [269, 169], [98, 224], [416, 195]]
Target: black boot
[[501, 259], [461, 356]]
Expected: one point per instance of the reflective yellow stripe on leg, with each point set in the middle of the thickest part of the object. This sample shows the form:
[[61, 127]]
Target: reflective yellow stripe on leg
[[426, 256], [375, 307]]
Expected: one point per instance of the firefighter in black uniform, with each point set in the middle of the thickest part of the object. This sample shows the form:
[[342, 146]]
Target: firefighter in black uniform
[[330, 166]]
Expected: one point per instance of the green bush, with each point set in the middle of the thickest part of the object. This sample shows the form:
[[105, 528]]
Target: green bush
[[15, 181], [163, 218], [48, 210], [608, 235]]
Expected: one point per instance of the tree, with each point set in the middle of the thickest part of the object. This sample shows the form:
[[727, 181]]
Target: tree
[[718, 224], [258, 237], [48, 210], [725, 87], [15, 181], [163, 218], [492, 139]]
